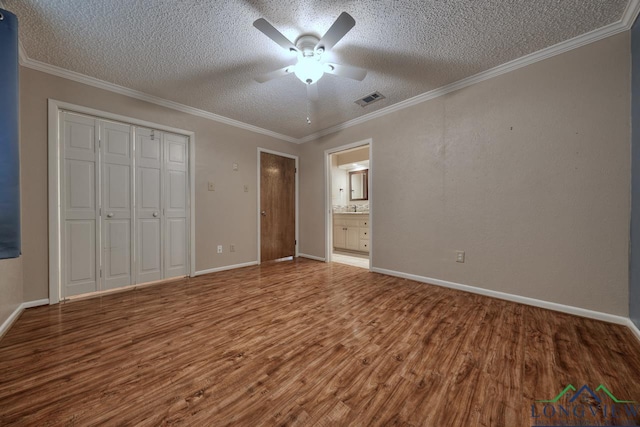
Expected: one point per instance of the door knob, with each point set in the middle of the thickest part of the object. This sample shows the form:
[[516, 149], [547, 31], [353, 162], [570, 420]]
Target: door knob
[[109, 215], [155, 214], [263, 213]]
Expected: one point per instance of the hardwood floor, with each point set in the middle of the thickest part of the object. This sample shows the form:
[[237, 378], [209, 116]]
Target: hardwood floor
[[302, 343]]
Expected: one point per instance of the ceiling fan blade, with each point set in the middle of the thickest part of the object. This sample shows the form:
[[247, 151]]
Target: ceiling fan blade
[[347, 71], [275, 35], [343, 24], [312, 92], [275, 74]]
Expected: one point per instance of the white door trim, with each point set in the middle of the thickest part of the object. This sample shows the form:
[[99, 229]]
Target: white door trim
[[290, 156], [54, 108], [328, 205]]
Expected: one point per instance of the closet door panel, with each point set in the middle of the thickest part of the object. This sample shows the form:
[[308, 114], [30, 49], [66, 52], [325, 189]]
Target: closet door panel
[[79, 213], [149, 149], [79, 135], [117, 268], [117, 196], [80, 188], [149, 205], [176, 195], [150, 267], [80, 257], [176, 250], [149, 189], [176, 191], [117, 206]]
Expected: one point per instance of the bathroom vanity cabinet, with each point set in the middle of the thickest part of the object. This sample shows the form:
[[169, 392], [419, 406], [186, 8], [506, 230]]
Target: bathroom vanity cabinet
[[351, 231]]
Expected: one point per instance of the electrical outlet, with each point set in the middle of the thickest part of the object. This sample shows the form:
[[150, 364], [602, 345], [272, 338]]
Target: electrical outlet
[[212, 186], [219, 249], [232, 248], [235, 166], [246, 188], [459, 256]]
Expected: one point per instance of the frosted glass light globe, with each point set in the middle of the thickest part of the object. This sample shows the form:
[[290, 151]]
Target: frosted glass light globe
[[309, 69]]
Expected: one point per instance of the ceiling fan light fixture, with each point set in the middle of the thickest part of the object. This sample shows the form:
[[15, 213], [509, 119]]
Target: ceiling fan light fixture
[[309, 69]]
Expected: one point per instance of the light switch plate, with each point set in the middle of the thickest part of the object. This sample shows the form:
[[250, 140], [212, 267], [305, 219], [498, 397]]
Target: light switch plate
[[459, 256]]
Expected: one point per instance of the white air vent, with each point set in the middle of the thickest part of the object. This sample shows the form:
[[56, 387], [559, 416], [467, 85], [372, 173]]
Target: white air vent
[[370, 99]]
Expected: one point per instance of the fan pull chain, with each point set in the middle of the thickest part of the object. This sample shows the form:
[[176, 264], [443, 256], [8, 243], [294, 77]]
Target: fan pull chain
[[308, 112]]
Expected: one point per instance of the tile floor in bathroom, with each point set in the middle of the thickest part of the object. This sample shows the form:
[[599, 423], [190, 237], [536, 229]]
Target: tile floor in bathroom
[[350, 259]]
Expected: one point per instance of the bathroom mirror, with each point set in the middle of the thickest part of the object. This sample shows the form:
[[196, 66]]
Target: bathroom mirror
[[358, 185]]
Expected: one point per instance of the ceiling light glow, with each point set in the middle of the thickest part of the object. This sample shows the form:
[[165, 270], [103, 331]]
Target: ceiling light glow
[[309, 69]]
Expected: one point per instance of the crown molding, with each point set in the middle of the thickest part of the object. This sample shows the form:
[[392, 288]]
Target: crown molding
[[101, 84], [624, 24], [630, 13], [628, 18]]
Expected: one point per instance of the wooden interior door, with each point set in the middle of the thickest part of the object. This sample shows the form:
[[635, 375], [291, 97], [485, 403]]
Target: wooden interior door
[[277, 207]]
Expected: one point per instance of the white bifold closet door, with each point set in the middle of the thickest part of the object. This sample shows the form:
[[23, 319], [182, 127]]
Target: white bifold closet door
[[124, 197], [79, 231], [161, 188], [175, 172], [149, 216], [117, 204]]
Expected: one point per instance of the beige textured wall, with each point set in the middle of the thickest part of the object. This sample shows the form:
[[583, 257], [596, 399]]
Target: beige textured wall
[[527, 172], [226, 216], [10, 286]]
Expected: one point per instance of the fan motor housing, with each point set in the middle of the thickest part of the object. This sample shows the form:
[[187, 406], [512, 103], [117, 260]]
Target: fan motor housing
[[306, 44]]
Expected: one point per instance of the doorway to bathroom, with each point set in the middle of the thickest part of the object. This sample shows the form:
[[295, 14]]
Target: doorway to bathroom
[[348, 201]]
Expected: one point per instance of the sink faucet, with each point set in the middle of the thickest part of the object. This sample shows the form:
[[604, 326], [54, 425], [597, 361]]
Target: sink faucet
[[355, 208]]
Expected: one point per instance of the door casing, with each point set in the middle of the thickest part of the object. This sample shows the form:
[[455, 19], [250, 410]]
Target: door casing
[[328, 205]]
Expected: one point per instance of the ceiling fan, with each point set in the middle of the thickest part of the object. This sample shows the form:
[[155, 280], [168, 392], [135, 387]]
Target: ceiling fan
[[309, 68]]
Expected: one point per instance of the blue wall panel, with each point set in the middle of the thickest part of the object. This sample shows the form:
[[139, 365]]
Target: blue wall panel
[[9, 143]]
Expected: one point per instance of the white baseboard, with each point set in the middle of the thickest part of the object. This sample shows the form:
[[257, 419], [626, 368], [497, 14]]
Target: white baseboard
[[12, 318], [226, 267], [6, 325], [313, 257], [634, 328], [583, 312]]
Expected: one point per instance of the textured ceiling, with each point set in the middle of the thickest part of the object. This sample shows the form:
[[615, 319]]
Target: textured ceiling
[[205, 54]]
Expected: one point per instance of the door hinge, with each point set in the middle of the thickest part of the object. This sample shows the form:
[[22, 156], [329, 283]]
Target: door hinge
[[295, 170], [100, 272], [295, 242], [100, 212]]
